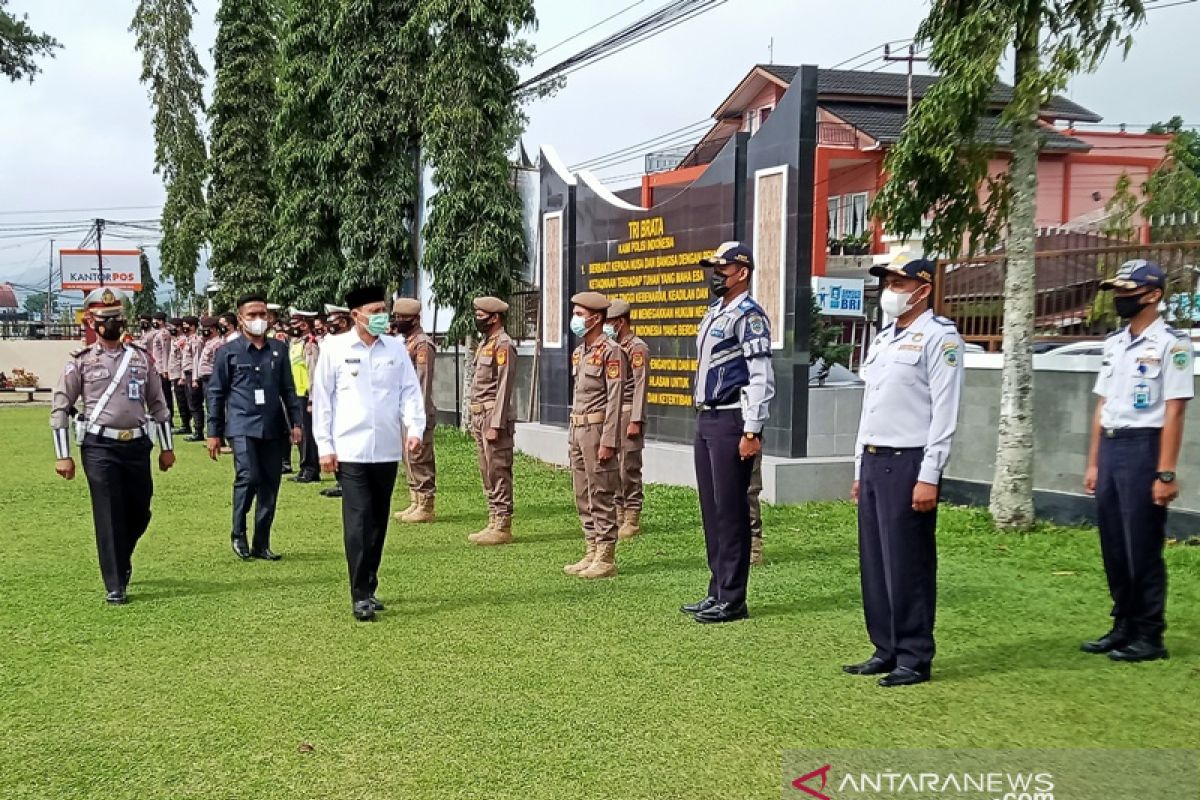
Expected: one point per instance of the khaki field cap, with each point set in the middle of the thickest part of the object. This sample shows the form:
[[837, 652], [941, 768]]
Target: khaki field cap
[[406, 307], [618, 309], [492, 305], [592, 301]]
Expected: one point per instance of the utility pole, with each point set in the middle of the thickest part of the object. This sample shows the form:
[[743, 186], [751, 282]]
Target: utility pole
[[911, 58], [100, 248], [771, 50], [49, 286]]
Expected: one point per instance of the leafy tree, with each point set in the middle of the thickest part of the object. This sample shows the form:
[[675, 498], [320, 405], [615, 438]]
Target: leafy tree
[[145, 302], [475, 241], [1175, 186], [20, 45], [243, 111], [940, 168], [823, 341], [1121, 209], [305, 255], [35, 305], [175, 77], [378, 53]]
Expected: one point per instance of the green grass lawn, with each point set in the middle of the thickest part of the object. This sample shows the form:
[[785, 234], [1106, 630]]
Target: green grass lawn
[[493, 675]]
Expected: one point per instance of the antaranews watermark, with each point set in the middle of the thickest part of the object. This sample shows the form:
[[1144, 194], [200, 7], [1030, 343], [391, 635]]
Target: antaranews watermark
[[991, 774]]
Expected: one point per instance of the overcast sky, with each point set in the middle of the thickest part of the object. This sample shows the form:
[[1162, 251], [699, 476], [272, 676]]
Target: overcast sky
[[79, 137]]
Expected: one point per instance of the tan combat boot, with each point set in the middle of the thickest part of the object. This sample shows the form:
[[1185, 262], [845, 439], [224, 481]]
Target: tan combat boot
[[424, 510], [756, 557], [501, 533], [632, 524], [605, 563], [486, 529], [579, 566], [412, 506]]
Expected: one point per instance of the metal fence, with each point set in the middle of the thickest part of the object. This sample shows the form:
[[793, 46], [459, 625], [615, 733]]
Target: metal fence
[[1068, 271], [38, 330]]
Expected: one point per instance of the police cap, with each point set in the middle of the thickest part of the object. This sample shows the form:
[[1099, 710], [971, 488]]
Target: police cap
[[103, 296], [492, 305], [918, 269], [592, 301], [618, 309], [1137, 274], [734, 253], [406, 307]]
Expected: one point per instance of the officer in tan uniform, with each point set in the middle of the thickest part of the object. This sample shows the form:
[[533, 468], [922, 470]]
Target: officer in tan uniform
[[493, 421], [755, 498], [633, 418], [123, 408], [204, 357], [599, 368], [421, 466]]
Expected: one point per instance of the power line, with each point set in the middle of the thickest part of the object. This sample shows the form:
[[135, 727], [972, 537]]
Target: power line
[[695, 127], [654, 23], [575, 36]]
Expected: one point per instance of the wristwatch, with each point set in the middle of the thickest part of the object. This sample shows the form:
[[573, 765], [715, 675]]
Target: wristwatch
[[750, 435], [1165, 477]]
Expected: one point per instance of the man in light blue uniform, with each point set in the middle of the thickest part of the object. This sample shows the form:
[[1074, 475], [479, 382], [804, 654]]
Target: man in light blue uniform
[[1143, 386], [733, 390], [913, 377]]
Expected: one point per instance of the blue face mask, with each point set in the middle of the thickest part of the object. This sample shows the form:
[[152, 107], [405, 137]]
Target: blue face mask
[[610, 331], [578, 326], [377, 324]]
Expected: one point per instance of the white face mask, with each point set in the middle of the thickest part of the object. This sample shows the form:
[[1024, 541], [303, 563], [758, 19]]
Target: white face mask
[[256, 327], [895, 304]]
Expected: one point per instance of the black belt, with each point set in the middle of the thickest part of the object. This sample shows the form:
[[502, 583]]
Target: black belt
[[879, 450], [1131, 433]]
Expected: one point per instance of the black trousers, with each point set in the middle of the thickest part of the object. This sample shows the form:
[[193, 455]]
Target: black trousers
[[118, 476], [723, 479], [184, 404], [897, 556], [366, 509], [169, 395], [310, 463], [256, 480], [1133, 531], [196, 402]]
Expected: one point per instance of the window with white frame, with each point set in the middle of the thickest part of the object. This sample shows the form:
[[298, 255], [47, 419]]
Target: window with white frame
[[847, 215]]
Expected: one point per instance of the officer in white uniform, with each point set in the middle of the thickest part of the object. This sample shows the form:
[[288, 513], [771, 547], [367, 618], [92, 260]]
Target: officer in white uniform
[[1143, 386], [913, 377]]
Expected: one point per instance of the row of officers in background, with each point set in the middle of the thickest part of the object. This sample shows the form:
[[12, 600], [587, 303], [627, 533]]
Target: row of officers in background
[[320, 391]]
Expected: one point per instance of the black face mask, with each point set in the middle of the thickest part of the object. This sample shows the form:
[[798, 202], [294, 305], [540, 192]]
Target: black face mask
[[718, 283], [110, 330], [1129, 306], [483, 325], [404, 326], [145, 326]]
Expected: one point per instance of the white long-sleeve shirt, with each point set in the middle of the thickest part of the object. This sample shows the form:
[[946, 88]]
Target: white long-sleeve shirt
[[365, 398], [914, 380]]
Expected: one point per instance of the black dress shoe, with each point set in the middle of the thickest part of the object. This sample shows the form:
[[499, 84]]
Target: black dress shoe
[[117, 598], [195, 437], [872, 666], [903, 676], [696, 608], [1140, 650], [240, 548], [1113, 640], [265, 554], [306, 477], [332, 491], [375, 604], [364, 611], [287, 469], [722, 612]]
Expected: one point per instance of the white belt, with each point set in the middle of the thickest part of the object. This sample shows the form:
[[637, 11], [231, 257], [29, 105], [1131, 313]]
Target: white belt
[[118, 434]]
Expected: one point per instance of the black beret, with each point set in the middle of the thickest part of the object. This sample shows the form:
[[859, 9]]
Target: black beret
[[193, 321], [251, 297], [365, 295], [158, 315]]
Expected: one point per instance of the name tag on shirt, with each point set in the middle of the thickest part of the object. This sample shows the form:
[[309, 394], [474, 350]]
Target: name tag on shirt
[[260, 397], [135, 390]]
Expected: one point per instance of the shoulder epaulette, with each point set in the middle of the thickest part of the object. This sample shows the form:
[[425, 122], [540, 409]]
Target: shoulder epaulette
[[79, 353], [1115, 333], [944, 321], [749, 305], [1178, 334]]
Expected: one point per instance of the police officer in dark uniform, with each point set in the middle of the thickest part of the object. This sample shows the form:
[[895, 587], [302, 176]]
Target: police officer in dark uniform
[[123, 406], [733, 391], [252, 402], [913, 376], [1144, 387]]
